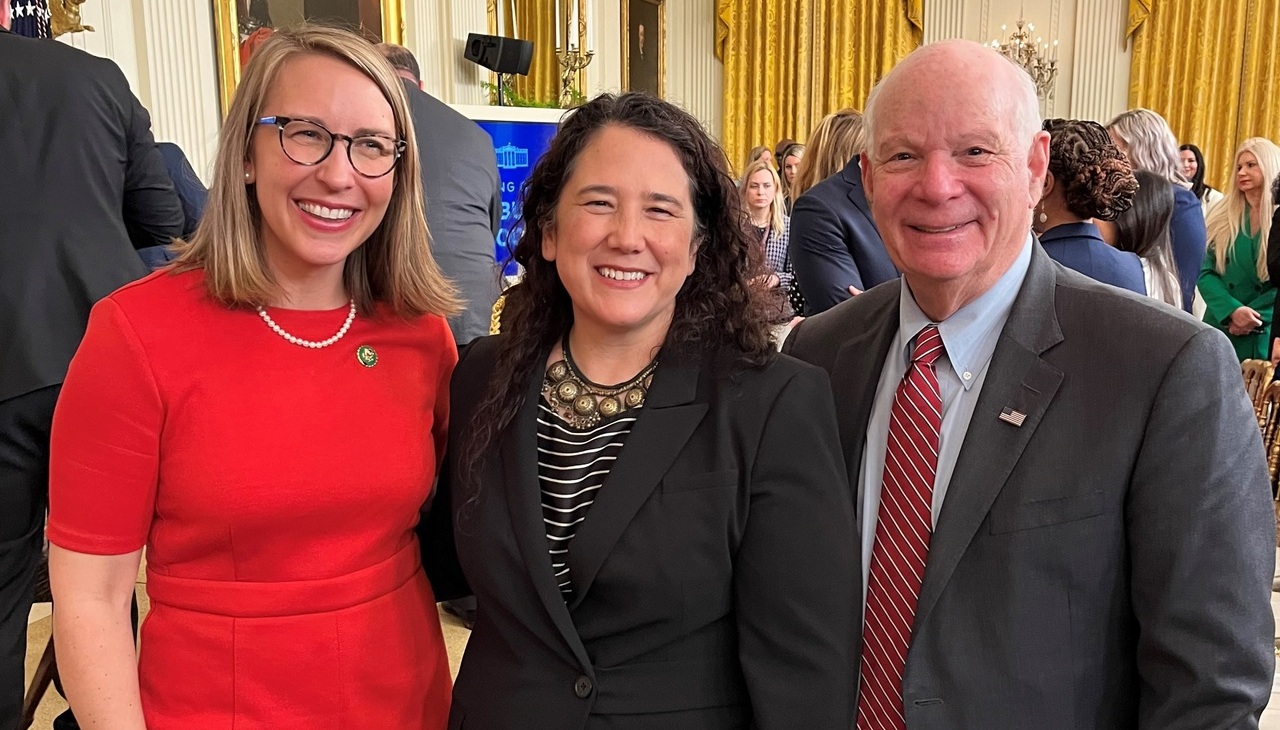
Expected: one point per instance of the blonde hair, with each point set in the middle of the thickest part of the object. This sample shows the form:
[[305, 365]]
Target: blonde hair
[[1150, 142], [775, 208], [1226, 218], [795, 149], [393, 266], [836, 140]]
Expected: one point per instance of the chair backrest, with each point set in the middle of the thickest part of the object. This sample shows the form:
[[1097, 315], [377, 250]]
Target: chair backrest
[[1269, 420], [1257, 378]]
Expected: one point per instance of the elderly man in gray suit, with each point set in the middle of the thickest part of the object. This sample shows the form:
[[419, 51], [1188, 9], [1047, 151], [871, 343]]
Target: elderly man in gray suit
[[1065, 514], [464, 204]]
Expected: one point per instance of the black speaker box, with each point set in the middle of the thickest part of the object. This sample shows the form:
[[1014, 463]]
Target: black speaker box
[[496, 53]]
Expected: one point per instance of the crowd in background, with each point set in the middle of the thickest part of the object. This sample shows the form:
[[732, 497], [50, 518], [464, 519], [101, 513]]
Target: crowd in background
[[1125, 205], [663, 520]]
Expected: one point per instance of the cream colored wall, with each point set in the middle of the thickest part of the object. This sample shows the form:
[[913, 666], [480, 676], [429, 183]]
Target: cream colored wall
[[1093, 60], [166, 50]]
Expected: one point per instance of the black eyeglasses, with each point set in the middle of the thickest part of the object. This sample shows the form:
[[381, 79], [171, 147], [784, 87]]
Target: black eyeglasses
[[309, 143]]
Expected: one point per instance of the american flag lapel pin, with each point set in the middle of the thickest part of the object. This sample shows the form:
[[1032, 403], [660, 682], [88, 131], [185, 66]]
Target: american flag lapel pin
[[1008, 415]]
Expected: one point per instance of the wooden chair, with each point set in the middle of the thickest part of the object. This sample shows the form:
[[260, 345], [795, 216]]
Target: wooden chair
[[47, 669], [1269, 419], [1257, 377]]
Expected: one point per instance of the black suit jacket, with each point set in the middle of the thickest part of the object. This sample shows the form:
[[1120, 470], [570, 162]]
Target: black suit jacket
[[1106, 563], [1273, 270], [834, 241], [79, 161], [714, 575], [464, 204]]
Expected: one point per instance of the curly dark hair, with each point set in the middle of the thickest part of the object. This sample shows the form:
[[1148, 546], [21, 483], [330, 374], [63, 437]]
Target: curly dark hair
[[1198, 185], [719, 305], [1096, 178]]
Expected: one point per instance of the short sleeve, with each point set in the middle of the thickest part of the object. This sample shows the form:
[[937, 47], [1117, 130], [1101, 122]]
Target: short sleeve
[[444, 372], [105, 445]]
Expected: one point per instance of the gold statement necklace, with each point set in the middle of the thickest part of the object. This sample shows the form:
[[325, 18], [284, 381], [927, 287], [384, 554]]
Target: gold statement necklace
[[582, 403]]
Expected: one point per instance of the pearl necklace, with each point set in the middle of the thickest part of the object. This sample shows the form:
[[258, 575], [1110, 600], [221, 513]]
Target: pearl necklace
[[313, 344]]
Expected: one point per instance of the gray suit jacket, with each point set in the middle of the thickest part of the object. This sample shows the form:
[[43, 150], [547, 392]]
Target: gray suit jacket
[[460, 181], [1108, 563]]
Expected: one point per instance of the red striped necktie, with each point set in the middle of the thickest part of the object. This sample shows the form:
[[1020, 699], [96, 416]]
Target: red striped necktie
[[903, 528]]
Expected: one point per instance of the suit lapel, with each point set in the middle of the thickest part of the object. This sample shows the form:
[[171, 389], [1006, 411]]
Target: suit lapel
[[864, 353], [666, 421], [852, 174], [1018, 379], [524, 497]]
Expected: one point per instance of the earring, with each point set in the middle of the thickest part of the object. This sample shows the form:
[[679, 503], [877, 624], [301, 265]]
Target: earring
[[247, 175], [1043, 218]]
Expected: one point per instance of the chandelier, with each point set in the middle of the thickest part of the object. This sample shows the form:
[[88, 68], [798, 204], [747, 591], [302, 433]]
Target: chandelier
[[1038, 58]]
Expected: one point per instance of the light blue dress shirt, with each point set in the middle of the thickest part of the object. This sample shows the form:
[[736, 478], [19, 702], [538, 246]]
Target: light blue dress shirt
[[969, 337]]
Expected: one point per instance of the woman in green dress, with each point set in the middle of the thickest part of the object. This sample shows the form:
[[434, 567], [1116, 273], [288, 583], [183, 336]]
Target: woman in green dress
[[1237, 290]]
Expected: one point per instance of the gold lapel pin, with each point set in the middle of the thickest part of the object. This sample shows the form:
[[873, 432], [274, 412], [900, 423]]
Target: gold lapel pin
[[367, 356]]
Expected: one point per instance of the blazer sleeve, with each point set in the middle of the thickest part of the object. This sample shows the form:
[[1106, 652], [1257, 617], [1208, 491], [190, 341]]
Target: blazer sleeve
[[1202, 539], [1273, 268], [823, 265], [795, 574], [1219, 303], [151, 205], [1263, 304], [435, 526]]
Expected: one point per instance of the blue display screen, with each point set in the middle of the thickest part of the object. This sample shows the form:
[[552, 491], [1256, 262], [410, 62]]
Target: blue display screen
[[518, 145]]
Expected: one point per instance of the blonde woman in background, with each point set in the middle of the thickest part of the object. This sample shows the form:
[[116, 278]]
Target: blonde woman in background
[[1234, 281], [837, 139], [1146, 139], [266, 418], [836, 251], [760, 152], [791, 158], [769, 225]]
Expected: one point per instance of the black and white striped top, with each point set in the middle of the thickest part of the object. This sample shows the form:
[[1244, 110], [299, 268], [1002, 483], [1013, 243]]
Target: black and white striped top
[[572, 466]]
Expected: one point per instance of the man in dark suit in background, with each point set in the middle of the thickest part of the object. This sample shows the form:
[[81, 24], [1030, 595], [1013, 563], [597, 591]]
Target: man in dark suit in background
[[191, 193], [464, 203], [79, 161], [834, 241], [1104, 553]]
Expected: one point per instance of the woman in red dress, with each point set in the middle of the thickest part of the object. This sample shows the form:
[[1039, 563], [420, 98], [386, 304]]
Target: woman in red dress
[[266, 419]]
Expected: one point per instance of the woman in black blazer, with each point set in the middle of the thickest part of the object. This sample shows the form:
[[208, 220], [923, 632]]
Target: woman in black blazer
[[673, 551]]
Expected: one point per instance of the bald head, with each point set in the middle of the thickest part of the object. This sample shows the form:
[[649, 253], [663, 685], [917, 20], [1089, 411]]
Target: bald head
[[965, 65], [955, 163]]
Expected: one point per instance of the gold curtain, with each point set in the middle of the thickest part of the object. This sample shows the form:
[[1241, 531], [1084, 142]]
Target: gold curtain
[[1208, 67], [535, 20], [788, 64]]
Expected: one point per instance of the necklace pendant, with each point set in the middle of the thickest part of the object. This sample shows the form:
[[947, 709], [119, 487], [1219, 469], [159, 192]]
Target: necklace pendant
[[610, 406], [367, 356]]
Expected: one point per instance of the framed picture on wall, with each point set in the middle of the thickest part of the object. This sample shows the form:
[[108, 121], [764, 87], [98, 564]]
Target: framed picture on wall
[[644, 43], [240, 26]]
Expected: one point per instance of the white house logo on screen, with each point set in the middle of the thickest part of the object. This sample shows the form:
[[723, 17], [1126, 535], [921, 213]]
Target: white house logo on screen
[[511, 157]]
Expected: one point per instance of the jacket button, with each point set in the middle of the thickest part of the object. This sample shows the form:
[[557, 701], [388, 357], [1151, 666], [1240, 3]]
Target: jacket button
[[1231, 286], [582, 687]]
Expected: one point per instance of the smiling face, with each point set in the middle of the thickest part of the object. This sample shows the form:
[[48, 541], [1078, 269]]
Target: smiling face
[[951, 178], [1248, 173], [760, 191], [312, 217], [1189, 166], [622, 238]]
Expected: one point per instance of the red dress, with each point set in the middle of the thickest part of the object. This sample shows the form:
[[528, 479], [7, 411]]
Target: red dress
[[276, 489]]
